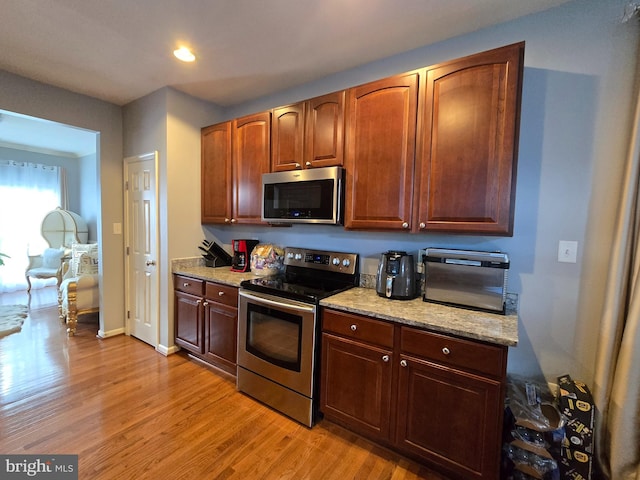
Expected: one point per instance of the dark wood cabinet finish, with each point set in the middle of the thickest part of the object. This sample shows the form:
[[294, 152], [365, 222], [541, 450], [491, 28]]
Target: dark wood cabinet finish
[[356, 386], [433, 397], [466, 172], [380, 153], [287, 137], [216, 188], [206, 321], [308, 134], [324, 137], [251, 139], [221, 326], [188, 313]]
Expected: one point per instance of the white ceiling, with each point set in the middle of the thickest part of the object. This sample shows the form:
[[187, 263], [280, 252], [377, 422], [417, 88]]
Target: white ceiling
[[121, 50]]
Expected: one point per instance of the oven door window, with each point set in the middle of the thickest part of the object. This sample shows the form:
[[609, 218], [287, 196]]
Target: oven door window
[[274, 336]]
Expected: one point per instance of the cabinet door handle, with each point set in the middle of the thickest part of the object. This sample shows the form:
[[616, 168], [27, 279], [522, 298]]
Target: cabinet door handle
[[205, 304], [308, 164], [198, 301], [233, 220], [446, 351], [354, 327], [422, 224], [405, 225], [385, 358], [298, 165], [227, 220], [403, 363], [186, 284], [220, 294]]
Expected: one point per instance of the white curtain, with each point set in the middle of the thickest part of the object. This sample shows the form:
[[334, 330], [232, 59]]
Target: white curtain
[[27, 192], [617, 380]]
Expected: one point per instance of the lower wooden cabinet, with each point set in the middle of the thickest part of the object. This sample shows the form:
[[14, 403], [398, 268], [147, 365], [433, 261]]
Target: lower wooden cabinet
[[435, 398], [206, 321]]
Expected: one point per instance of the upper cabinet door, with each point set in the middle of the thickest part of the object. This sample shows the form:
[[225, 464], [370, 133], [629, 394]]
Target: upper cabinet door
[[251, 158], [216, 174], [467, 167], [379, 154], [287, 138], [324, 145]]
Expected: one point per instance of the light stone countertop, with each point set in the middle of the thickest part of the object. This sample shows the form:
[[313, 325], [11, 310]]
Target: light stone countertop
[[488, 327]]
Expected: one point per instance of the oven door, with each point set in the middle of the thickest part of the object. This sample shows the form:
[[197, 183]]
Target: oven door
[[276, 338]]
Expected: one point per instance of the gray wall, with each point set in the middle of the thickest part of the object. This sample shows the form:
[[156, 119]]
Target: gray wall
[[578, 94], [21, 95]]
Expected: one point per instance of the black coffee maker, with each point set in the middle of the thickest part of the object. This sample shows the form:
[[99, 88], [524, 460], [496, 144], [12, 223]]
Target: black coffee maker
[[242, 255]]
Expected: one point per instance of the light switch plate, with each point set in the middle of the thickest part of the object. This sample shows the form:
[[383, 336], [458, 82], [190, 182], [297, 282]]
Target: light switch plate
[[567, 251]]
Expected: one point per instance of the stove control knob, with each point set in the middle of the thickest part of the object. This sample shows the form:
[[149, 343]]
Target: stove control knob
[[298, 256], [290, 255], [335, 261], [346, 262]]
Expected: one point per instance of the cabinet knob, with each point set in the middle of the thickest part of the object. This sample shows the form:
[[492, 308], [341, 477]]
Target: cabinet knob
[[446, 351], [403, 363], [298, 165], [186, 284], [385, 358], [205, 304], [422, 225], [308, 164], [405, 225], [233, 220], [354, 327], [220, 294], [227, 220], [198, 301]]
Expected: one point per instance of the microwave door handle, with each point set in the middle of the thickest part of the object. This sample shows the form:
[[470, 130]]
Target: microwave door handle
[[274, 303]]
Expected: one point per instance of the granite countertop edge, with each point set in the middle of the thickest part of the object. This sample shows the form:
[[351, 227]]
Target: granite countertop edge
[[488, 327]]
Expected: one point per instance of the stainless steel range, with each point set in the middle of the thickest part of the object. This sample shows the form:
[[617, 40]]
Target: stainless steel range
[[279, 328]]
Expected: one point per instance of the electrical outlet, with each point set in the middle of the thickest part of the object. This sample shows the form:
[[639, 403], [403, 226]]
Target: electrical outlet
[[567, 251]]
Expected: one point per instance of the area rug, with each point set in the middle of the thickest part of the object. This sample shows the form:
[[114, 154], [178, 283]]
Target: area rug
[[11, 318]]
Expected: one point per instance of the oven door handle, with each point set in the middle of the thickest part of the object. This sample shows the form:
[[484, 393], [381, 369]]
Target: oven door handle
[[274, 303]]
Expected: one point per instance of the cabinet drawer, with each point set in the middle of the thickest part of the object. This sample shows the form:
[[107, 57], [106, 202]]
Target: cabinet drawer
[[189, 285], [222, 294], [455, 352], [358, 327]]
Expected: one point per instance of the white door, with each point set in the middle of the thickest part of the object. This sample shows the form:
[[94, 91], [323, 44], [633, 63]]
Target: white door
[[141, 231]]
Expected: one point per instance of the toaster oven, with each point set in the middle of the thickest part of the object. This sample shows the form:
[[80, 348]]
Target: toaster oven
[[466, 278]]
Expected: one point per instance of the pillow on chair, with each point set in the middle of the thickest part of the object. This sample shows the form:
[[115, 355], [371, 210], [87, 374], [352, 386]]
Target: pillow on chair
[[52, 257], [77, 250], [87, 264]]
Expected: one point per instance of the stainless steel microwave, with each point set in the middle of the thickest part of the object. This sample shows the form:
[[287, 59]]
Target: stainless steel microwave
[[303, 196]]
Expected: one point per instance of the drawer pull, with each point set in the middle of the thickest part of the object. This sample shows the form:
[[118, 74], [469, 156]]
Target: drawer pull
[[220, 294], [446, 351], [354, 327], [186, 284], [403, 363], [385, 358]]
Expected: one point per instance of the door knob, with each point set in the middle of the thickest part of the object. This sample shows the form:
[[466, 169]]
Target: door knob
[[150, 263]]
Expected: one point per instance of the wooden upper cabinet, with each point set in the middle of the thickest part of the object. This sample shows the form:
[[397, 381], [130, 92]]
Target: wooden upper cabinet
[[380, 131], [251, 158], [287, 137], [324, 137], [466, 171], [216, 174], [308, 134]]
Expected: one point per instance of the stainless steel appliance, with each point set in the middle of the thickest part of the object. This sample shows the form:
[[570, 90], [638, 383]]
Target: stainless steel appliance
[[278, 329], [241, 261], [303, 196], [396, 276], [466, 278]]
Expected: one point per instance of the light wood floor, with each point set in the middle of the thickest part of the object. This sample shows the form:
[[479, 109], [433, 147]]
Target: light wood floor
[[131, 413]]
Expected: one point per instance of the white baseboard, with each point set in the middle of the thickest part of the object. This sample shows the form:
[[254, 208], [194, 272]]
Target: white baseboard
[[111, 333], [166, 351]]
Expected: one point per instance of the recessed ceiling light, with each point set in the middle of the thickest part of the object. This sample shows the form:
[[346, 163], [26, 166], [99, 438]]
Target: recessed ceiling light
[[184, 54]]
